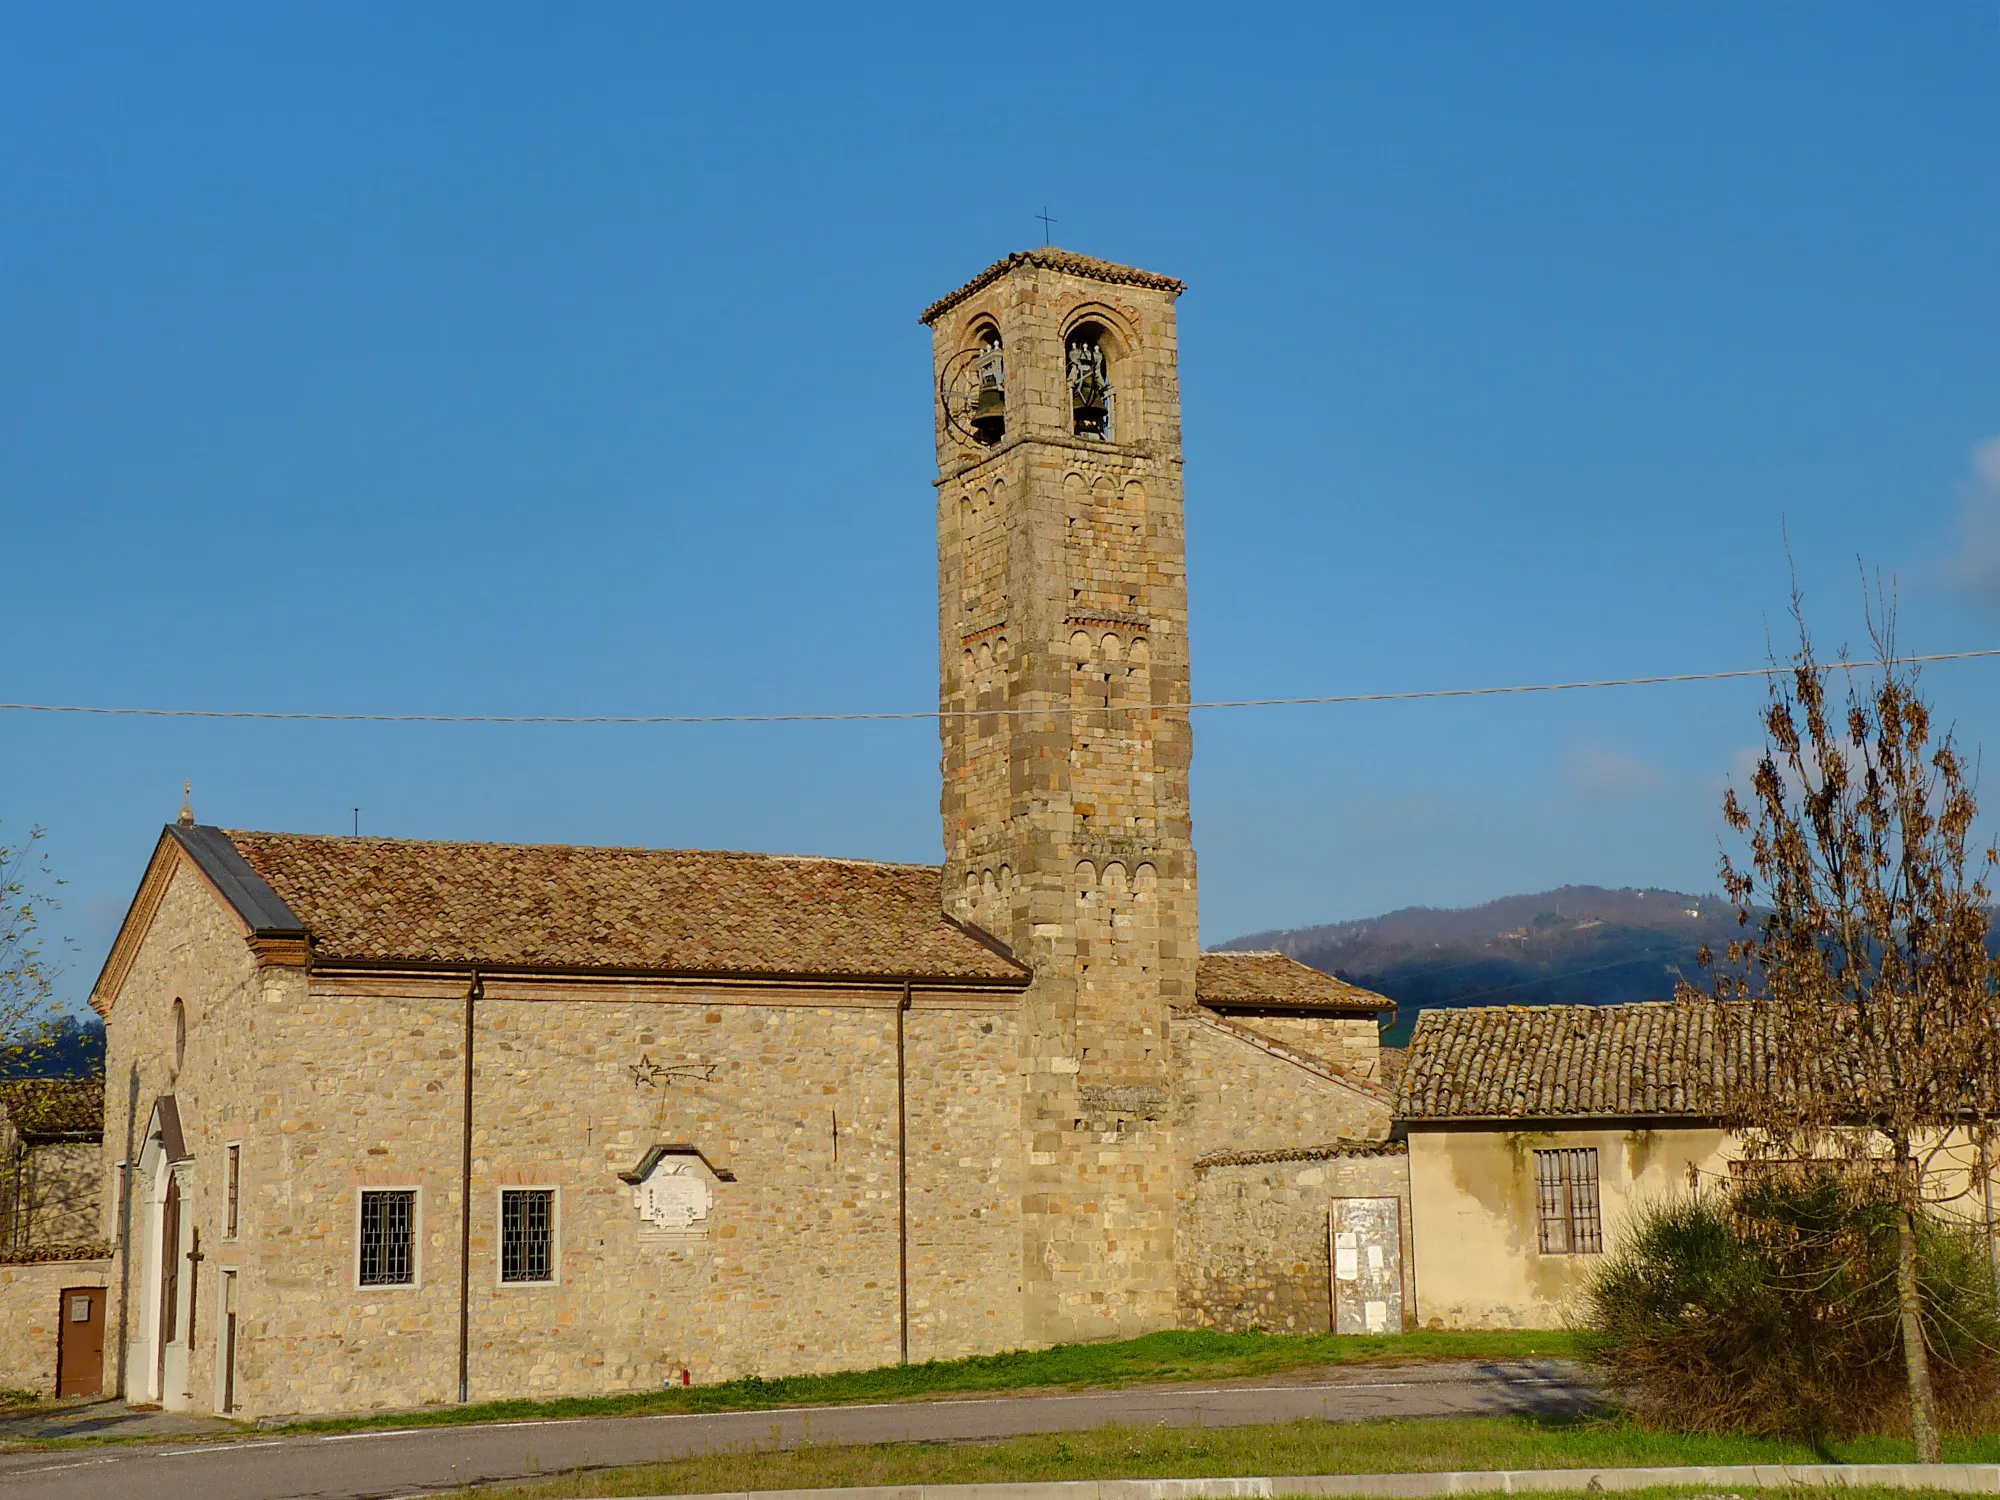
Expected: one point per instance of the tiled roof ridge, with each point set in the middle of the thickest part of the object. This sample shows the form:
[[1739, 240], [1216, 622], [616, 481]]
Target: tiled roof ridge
[[633, 850], [1332, 1150], [1328, 1070], [1055, 258]]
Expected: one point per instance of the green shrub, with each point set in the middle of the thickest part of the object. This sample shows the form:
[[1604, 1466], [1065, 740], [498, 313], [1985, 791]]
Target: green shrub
[[1770, 1308]]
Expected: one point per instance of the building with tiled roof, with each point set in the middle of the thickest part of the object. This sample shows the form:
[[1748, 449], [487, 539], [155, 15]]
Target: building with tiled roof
[[51, 1181], [1663, 1060], [407, 1121]]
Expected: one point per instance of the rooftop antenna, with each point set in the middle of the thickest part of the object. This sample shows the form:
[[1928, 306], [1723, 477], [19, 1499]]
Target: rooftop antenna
[[1046, 222], [186, 818], [357, 822]]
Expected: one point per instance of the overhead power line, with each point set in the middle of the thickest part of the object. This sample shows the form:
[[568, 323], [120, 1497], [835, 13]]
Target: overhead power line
[[970, 713]]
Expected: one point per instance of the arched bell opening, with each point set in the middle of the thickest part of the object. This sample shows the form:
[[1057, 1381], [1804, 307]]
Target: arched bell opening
[[1092, 398], [988, 385]]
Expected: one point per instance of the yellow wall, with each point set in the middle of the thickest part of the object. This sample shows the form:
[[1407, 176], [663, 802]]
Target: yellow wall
[[1472, 1200], [1472, 1206]]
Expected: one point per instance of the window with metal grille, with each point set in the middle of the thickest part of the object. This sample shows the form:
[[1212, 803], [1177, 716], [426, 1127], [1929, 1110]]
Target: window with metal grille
[[389, 1237], [528, 1234], [1566, 1190], [235, 1160]]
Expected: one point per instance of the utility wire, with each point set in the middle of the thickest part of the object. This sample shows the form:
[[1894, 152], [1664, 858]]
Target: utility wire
[[970, 713]]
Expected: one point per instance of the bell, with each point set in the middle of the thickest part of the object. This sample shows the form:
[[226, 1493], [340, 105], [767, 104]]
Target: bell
[[989, 414], [1092, 414]]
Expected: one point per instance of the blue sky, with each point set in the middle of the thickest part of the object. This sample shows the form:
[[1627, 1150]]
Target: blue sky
[[501, 358]]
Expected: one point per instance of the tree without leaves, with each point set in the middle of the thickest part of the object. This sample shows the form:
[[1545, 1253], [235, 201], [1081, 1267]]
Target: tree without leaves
[[27, 977], [1864, 916]]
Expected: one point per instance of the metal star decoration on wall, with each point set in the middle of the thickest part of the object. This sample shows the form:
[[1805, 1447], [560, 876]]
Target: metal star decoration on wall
[[648, 1074]]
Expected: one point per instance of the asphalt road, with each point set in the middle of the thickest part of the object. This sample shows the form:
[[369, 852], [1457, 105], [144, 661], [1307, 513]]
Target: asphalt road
[[415, 1461]]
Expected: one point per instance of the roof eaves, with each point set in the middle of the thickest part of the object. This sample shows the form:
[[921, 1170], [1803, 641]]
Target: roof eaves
[[1056, 259], [335, 964]]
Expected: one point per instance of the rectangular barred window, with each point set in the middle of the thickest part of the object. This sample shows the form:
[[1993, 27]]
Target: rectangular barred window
[[528, 1234], [389, 1237], [1566, 1193], [234, 1192]]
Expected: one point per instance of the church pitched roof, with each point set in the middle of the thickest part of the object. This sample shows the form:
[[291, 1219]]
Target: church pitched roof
[[1257, 980], [553, 907], [1515, 1062], [1055, 259]]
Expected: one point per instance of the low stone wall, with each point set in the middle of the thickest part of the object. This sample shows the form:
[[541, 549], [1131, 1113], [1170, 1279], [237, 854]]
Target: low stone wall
[[1253, 1249], [31, 1289]]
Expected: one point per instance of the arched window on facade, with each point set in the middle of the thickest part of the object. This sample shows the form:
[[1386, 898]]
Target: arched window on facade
[[1090, 393]]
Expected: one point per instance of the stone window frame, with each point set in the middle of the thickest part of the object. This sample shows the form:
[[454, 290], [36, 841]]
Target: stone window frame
[[555, 1192], [416, 1281]]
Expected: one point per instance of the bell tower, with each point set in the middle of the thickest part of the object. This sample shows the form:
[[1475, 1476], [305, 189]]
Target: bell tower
[[1063, 678]]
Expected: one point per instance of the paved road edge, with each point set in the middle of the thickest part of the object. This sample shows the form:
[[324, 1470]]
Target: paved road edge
[[1982, 1479]]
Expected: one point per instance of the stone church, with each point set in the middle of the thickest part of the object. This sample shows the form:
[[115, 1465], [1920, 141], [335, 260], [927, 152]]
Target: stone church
[[392, 1122]]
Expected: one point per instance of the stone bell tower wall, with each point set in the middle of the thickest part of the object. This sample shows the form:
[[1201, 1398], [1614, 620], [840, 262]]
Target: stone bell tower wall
[[1063, 676]]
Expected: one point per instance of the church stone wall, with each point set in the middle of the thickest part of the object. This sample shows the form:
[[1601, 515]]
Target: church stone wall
[[1254, 1255], [1251, 1244], [1232, 1095], [1350, 1042], [338, 1085]]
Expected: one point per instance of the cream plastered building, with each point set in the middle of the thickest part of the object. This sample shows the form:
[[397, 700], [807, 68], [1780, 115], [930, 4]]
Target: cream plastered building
[[394, 1122], [1535, 1134]]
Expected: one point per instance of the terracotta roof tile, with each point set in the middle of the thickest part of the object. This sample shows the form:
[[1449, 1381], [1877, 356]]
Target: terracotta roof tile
[[1331, 1151], [1056, 259], [1576, 1061], [47, 1109], [1271, 978], [557, 907]]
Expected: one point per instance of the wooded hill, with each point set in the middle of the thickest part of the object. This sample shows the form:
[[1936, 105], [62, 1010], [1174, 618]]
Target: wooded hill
[[1580, 945]]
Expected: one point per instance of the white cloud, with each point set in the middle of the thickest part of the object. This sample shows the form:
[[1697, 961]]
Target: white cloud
[[1975, 568], [1606, 773]]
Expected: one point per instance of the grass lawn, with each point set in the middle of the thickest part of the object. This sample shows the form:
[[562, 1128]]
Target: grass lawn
[[1176, 1355], [1431, 1444]]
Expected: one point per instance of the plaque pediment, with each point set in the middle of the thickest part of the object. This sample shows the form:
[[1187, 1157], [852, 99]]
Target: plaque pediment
[[673, 1192]]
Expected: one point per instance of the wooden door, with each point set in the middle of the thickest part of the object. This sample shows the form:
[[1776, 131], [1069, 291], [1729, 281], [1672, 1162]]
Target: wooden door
[[80, 1342], [228, 1341], [170, 1277]]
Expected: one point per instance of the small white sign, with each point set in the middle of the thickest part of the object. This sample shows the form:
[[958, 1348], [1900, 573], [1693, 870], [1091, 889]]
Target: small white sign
[[1346, 1263], [1375, 1258], [1376, 1315]]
